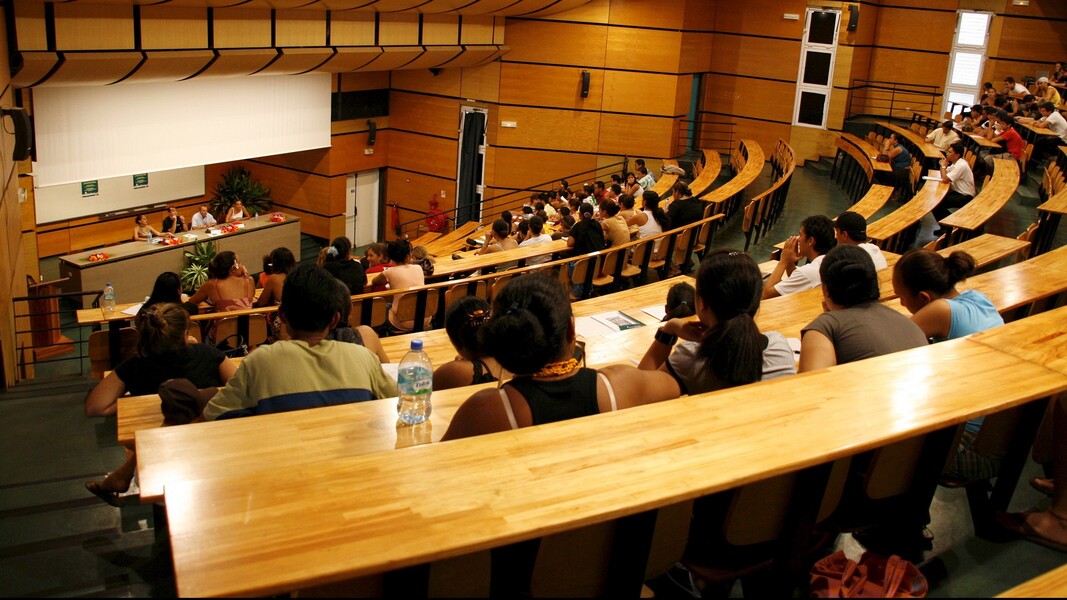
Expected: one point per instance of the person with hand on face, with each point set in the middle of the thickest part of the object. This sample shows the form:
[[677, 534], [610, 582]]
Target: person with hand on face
[[229, 286], [900, 159], [173, 222], [958, 173], [816, 238], [943, 136], [724, 348]]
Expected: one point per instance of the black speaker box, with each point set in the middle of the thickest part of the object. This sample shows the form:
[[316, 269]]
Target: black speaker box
[[372, 132], [853, 17], [585, 84], [23, 133]]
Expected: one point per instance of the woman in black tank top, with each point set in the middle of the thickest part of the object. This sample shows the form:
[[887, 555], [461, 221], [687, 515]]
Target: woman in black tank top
[[531, 334], [471, 366]]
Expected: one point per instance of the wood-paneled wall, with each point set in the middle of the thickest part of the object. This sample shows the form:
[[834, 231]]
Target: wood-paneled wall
[[13, 237]]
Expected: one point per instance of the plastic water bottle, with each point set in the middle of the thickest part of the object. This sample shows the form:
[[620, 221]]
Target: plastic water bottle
[[109, 298], [415, 382], [149, 236]]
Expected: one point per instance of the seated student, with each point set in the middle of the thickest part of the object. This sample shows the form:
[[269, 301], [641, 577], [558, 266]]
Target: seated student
[[566, 221], [229, 286], [401, 276], [684, 209], [586, 236], [307, 370], [616, 231], [421, 256], [943, 136], [236, 212], [375, 260], [926, 282], [851, 228], [900, 160], [463, 321], [167, 289], [1005, 135], [281, 262], [1047, 527], [498, 239], [339, 262], [537, 236], [1052, 120], [531, 334], [680, 303], [173, 222], [855, 325], [142, 231], [816, 238], [957, 172], [164, 352], [989, 93], [723, 348], [972, 120], [626, 207], [360, 334], [203, 219], [1046, 92]]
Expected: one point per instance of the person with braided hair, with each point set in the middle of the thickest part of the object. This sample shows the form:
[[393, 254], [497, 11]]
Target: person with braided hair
[[723, 348], [855, 325], [531, 334], [463, 320], [164, 352]]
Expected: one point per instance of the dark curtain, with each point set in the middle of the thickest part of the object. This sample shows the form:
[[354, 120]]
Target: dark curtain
[[468, 202]]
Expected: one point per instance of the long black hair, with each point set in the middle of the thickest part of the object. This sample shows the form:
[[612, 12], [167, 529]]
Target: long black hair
[[730, 285], [651, 200]]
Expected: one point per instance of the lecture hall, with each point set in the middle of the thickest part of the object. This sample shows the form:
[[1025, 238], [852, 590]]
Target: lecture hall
[[170, 167]]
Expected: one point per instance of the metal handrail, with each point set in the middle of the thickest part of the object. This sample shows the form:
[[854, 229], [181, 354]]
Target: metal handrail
[[694, 136], [903, 98], [26, 355]]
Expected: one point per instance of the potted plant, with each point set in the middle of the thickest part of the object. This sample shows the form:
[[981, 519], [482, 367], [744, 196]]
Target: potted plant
[[237, 184], [195, 272]]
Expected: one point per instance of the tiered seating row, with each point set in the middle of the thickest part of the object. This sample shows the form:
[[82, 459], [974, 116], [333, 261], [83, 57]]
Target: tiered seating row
[[763, 211]]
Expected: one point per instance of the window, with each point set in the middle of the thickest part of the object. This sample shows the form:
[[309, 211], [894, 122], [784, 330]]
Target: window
[[815, 79], [963, 81]]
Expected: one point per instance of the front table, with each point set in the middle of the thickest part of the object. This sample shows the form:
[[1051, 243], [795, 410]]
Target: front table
[[134, 266]]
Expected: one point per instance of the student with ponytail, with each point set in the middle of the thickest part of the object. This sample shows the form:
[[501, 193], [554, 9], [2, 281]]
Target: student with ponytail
[[463, 320], [531, 335], [723, 348], [926, 282], [651, 219], [163, 352], [339, 262], [855, 325]]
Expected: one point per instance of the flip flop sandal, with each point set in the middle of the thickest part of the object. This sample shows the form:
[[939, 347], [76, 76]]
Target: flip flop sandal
[[112, 498]]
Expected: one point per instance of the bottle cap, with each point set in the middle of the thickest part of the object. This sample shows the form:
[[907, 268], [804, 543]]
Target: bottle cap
[[108, 284], [416, 344]]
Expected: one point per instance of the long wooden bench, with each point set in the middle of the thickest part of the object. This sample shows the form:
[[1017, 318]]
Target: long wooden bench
[[1049, 214], [927, 154], [666, 181], [895, 231], [853, 170], [747, 162], [872, 201], [763, 211], [969, 220], [706, 171], [454, 240], [332, 519]]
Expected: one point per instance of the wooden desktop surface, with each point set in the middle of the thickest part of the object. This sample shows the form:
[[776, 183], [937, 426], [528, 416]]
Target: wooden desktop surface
[[446, 266], [992, 198], [930, 151], [924, 201], [1050, 585], [870, 150], [330, 519]]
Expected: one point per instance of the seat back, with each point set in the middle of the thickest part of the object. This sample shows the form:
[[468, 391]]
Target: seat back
[[462, 290], [371, 312], [407, 307], [100, 350], [227, 327]]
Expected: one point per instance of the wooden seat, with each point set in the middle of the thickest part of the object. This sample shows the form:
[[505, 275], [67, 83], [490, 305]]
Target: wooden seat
[[461, 290], [417, 307], [100, 350], [372, 312], [606, 266], [227, 327], [1025, 160], [582, 275]]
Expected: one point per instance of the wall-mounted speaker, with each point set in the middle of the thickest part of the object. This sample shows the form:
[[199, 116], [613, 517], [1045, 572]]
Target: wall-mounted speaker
[[585, 84], [372, 132], [23, 132], [853, 17]]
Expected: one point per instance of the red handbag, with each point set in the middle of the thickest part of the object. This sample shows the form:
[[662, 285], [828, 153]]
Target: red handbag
[[875, 576]]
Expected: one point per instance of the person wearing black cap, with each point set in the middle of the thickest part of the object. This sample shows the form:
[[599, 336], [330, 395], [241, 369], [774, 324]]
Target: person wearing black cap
[[851, 228], [943, 136], [958, 173]]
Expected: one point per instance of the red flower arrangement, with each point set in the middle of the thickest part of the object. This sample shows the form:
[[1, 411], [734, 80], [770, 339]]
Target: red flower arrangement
[[228, 227], [277, 218], [170, 241], [99, 256]]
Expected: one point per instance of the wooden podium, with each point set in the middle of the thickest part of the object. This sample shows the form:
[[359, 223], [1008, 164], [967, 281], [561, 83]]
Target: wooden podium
[[45, 333]]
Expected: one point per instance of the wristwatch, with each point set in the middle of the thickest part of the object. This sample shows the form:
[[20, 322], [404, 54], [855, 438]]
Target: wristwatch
[[665, 338]]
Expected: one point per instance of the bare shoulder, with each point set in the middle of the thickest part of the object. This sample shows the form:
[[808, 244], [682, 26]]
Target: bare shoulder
[[480, 414], [453, 374], [634, 387]]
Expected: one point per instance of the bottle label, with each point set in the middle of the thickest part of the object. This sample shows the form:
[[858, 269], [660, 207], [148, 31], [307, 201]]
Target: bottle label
[[422, 386]]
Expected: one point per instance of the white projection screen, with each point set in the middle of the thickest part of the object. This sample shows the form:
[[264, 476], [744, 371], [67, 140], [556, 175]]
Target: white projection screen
[[88, 133]]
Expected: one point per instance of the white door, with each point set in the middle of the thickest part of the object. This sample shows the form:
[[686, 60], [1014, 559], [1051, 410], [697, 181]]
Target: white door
[[967, 60], [362, 207]]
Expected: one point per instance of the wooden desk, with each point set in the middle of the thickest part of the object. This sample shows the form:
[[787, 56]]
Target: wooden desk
[[887, 231], [724, 198], [235, 533], [870, 151], [980, 142], [1049, 214], [447, 243], [134, 266], [666, 181], [447, 266], [917, 144], [708, 173], [1031, 134], [970, 218], [1028, 339], [1050, 585], [873, 200]]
